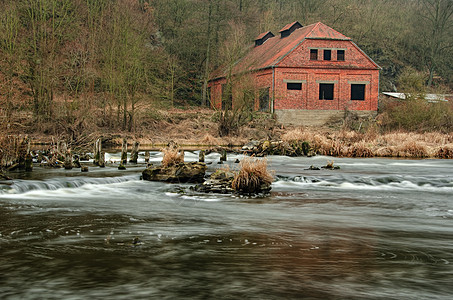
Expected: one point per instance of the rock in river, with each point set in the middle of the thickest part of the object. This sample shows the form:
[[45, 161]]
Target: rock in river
[[182, 172]]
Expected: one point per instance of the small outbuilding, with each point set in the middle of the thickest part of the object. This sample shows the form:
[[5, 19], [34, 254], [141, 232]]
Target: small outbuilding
[[305, 75]]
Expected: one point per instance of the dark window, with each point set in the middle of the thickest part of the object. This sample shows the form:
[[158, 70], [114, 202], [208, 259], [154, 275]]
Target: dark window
[[358, 91], [326, 91], [327, 54], [313, 54], [340, 54], [227, 97], [294, 86], [264, 99]]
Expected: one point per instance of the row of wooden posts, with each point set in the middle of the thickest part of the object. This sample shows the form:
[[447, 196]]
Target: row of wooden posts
[[99, 155], [21, 157]]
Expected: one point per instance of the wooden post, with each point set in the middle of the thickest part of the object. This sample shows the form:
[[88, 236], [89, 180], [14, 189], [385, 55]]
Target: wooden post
[[68, 160], [223, 157], [28, 163], [124, 152], [97, 153], [101, 159], [201, 156], [28, 158], [134, 153], [77, 161], [62, 150], [146, 156]]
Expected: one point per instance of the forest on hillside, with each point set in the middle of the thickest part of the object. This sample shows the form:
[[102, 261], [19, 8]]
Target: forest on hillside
[[75, 63]]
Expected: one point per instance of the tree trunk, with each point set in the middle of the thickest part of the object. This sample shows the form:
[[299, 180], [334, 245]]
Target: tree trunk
[[204, 98]]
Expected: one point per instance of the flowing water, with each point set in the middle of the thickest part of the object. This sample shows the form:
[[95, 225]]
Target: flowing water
[[375, 229]]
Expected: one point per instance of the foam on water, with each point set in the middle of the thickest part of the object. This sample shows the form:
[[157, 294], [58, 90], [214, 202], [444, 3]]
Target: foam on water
[[388, 183], [64, 184]]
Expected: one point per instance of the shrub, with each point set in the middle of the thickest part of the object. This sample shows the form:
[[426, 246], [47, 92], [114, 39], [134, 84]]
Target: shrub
[[253, 174], [417, 114], [172, 156]]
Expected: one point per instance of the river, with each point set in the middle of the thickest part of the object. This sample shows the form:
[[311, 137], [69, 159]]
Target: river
[[374, 229]]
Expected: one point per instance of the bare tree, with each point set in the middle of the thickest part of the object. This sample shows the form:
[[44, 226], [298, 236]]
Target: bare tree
[[438, 16]]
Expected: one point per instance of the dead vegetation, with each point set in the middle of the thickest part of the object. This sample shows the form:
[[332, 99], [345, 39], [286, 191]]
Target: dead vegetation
[[253, 176], [172, 156], [371, 144]]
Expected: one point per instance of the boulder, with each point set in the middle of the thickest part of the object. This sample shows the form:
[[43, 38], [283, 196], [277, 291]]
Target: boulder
[[219, 182], [192, 172]]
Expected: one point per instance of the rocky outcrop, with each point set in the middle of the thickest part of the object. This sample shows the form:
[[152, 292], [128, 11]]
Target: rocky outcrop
[[221, 182], [192, 172]]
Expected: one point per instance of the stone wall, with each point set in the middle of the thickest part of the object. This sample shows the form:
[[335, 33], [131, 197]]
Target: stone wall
[[298, 117]]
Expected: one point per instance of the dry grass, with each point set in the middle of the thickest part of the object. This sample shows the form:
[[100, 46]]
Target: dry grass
[[252, 175], [346, 143], [172, 156], [359, 149], [294, 135], [208, 139], [445, 151]]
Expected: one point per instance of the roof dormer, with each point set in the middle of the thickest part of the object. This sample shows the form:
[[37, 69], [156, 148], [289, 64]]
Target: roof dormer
[[259, 40], [289, 28]]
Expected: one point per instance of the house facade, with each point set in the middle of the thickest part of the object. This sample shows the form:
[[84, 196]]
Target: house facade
[[305, 75]]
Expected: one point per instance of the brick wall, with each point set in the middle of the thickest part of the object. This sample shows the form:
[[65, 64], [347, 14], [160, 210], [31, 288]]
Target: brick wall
[[357, 68], [308, 96]]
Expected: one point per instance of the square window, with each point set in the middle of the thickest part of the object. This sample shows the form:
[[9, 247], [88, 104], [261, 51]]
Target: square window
[[294, 85], [326, 91], [340, 55], [358, 91], [327, 54], [313, 54]]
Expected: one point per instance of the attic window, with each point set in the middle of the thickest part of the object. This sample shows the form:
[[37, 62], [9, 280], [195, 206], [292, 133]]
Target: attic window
[[294, 86], [327, 54], [326, 91], [340, 55], [289, 28], [263, 37], [313, 54]]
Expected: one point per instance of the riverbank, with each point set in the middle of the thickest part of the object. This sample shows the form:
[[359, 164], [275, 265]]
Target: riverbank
[[194, 129], [344, 143]]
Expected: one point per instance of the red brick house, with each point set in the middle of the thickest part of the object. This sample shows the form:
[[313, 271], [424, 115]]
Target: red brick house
[[305, 75]]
